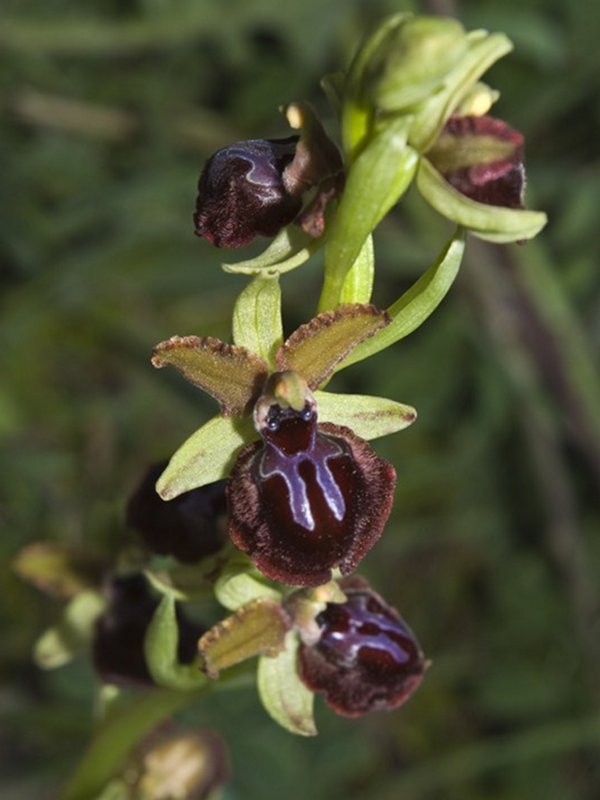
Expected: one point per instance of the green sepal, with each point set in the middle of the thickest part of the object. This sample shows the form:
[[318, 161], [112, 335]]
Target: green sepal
[[239, 582], [357, 111], [369, 417], [285, 698], [60, 643], [492, 223], [58, 569], [207, 456], [288, 250], [358, 284], [160, 649], [231, 374], [256, 628], [314, 349], [377, 179], [257, 318], [484, 49], [417, 303]]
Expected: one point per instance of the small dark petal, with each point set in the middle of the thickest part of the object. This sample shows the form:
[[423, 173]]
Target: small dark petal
[[308, 499], [118, 642], [482, 158], [190, 527], [367, 658], [241, 192]]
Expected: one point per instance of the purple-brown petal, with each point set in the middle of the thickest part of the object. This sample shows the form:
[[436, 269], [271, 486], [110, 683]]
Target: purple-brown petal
[[190, 527], [482, 157], [241, 192], [308, 498], [367, 658]]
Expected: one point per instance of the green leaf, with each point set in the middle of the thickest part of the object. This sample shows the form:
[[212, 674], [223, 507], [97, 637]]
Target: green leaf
[[257, 627], [369, 417], [257, 318], [358, 284], [59, 644], [376, 181], [160, 648], [239, 583], [288, 250], [484, 50], [314, 349], [285, 698], [493, 223], [205, 457], [416, 304], [231, 374]]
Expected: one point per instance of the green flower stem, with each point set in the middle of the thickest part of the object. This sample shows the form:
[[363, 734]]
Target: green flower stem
[[129, 724], [416, 304], [377, 179], [117, 735]]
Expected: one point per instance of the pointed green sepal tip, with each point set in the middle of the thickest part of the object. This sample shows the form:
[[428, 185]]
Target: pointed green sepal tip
[[60, 643], [291, 248], [161, 650], [369, 417], [256, 628], [285, 698], [239, 583], [492, 223], [207, 456], [257, 318]]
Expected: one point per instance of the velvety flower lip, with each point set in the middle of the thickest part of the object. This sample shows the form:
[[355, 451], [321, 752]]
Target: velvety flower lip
[[118, 642], [307, 497], [367, 658], [241, 192], [482, 157], [190, 527]]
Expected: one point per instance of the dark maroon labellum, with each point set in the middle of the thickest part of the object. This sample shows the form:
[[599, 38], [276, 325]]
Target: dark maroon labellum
[[367, 658], [241, 192], [190, 527], [118, 642], [482, 157], [308, 498]]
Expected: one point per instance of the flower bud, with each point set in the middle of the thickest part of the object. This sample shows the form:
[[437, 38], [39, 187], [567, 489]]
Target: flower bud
[[482, 157], [189, 527], [409, 60], [366, 659], [118, 643]]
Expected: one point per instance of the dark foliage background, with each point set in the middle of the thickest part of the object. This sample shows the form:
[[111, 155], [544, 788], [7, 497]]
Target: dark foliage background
[[492, 553]]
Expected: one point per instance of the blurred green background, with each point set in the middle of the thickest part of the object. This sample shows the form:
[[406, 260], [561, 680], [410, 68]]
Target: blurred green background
[[492, 552]]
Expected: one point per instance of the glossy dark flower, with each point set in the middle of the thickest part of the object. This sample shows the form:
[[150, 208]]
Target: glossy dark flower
[[307, 497], [311, 494], [189, 527], [242, 193], [482, 157], [118, 642], [366, 659]]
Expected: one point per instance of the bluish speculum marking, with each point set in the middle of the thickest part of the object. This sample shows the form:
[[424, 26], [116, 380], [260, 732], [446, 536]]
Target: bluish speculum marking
[[300, 456], [363, 631]]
